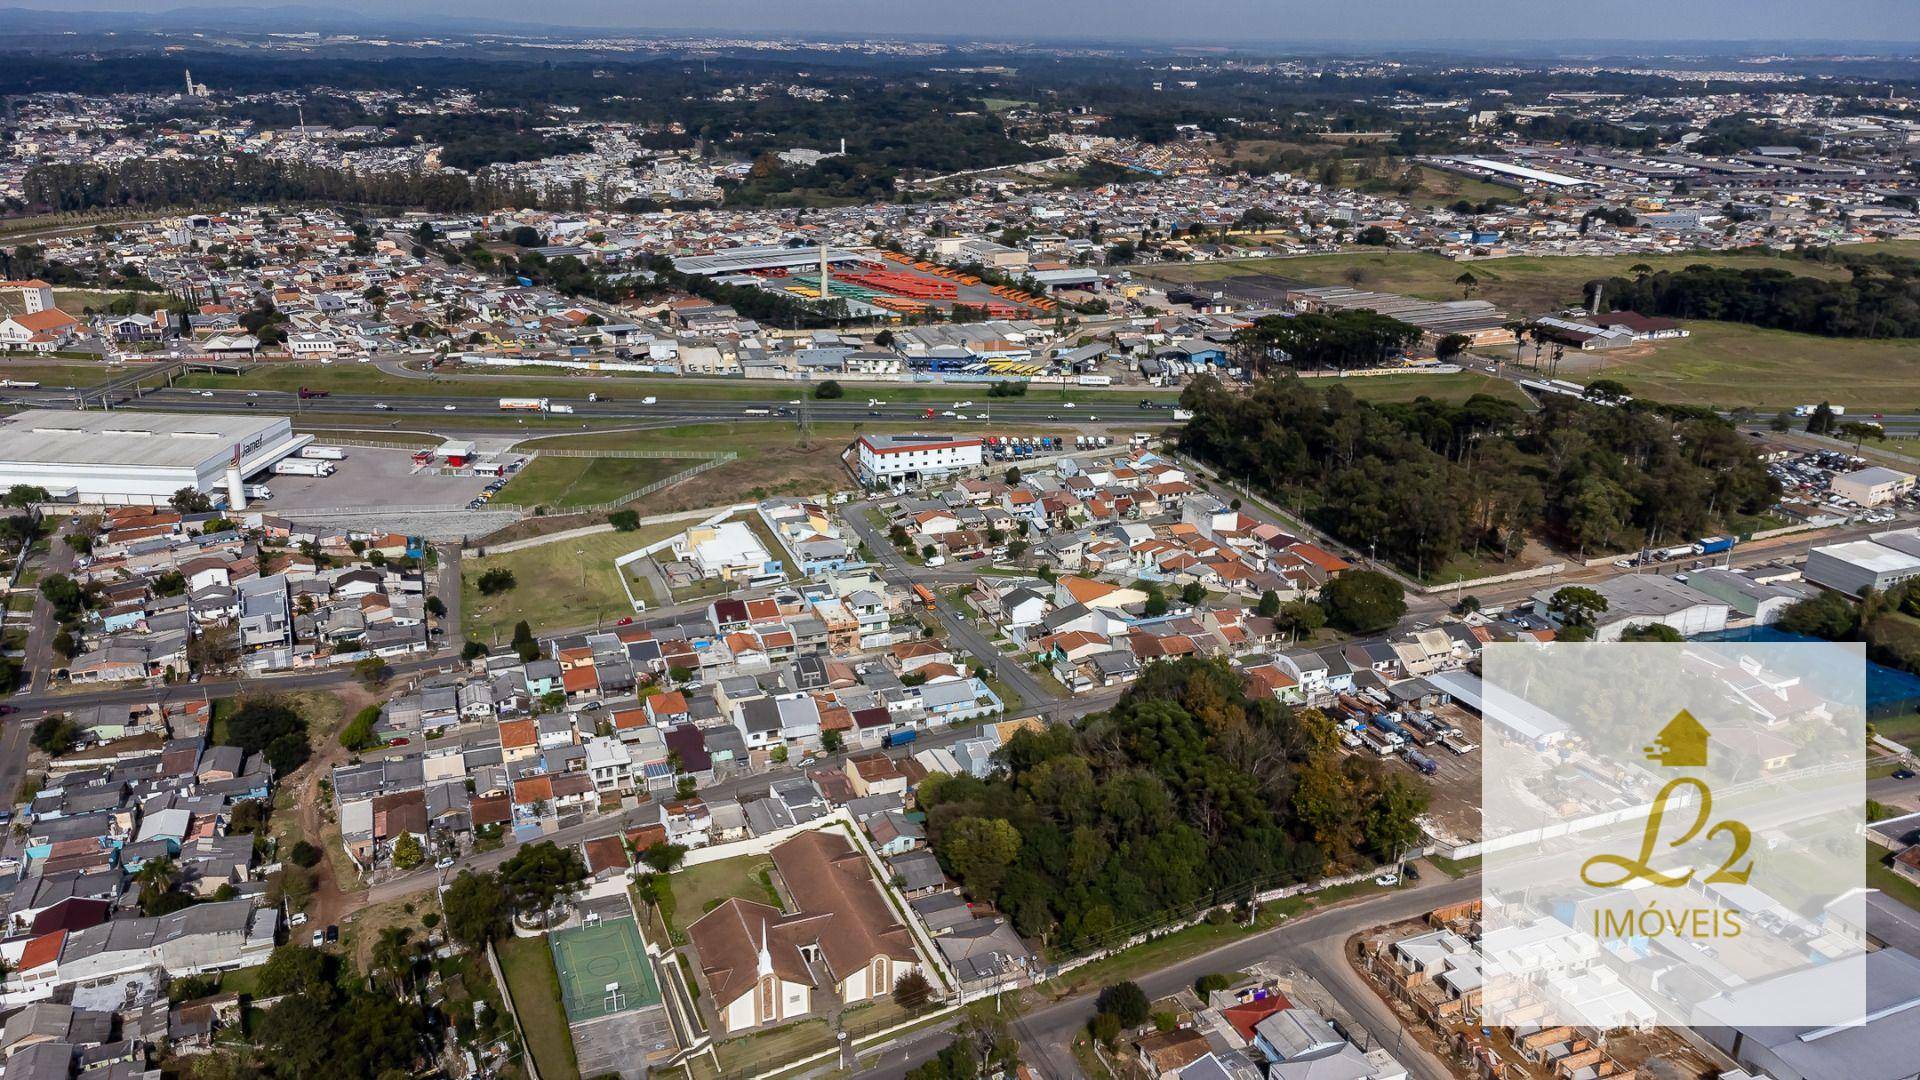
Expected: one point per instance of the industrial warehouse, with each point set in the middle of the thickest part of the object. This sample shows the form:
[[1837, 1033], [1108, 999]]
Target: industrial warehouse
[[140, 458]]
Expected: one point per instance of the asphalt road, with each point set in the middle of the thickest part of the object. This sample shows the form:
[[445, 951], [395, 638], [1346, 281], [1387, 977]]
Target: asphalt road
[[1313, 941], [777, 406], [1011, 673]]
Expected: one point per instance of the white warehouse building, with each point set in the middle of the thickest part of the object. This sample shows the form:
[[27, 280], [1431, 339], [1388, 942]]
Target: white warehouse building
[[139, 458], [907, 459]]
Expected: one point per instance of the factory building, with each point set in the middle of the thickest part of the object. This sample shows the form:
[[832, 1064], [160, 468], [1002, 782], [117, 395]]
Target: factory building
[[1878, 563], [140, 458], [907, 459]]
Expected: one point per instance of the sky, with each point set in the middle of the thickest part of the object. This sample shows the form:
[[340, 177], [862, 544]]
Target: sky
[[1221, 22]]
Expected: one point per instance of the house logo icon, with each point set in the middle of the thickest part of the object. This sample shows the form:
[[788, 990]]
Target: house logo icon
[[1682, 744]]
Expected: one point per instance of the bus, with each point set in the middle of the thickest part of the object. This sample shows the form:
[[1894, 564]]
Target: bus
[[926, 596]]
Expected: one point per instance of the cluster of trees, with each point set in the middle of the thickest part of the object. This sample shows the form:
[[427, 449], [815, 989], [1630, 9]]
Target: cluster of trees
[[143, 183], [1421, 482], [1884, 621], [1186, 793], [1868, 306], [273, 727], [1322, 340]]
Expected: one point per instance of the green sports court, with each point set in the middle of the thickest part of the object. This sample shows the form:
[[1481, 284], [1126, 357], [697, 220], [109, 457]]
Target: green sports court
[[603, 970]]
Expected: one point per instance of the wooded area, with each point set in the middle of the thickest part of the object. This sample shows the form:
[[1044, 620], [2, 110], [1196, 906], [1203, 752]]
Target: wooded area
[[1187, 792], [1425, 481]]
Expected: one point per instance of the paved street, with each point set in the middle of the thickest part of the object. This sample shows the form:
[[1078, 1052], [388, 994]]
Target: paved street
[[1313, 941], [1034, 694]]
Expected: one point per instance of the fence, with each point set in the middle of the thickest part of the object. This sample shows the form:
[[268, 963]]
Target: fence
[[631, 496]]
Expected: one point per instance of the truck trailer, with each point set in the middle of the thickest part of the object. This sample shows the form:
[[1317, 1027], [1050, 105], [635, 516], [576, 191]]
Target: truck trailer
[[323, 453], [294, 466]]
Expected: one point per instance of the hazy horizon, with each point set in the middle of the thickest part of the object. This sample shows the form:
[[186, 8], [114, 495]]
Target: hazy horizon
[[1399, 23]]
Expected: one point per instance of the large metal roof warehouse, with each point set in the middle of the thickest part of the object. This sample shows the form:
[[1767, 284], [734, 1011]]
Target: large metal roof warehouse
[[138, 458]]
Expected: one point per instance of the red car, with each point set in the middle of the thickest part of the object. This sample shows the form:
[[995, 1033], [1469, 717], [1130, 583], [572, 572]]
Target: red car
[[628, 621], [396, 742]]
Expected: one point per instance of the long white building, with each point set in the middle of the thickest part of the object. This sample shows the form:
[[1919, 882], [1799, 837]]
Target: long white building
[[138, 458], [906, 459]]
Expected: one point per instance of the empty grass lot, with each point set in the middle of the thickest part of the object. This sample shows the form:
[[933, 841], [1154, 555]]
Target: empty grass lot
[[1525, 284], [527, 964], [565, 482], [560, 585], [1729, 364], [699, 889]]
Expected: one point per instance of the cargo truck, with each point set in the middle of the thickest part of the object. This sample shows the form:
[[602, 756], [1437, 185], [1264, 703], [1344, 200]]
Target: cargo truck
[[560, 408], [902, 738], [523, 404], [306, 393], [1714, 545], [1459, 744], [323, 453], [1422, 762], [294, 466]]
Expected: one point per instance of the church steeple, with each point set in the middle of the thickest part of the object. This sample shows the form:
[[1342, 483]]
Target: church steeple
[[766, 956]]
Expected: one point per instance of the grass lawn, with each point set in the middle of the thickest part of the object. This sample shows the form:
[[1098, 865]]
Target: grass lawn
[[1404, 388], [1881, 876], [1729, 364], [1901, 729], [699, 889], [561, 584], [54, 375], [527, 964], [1455, 868], [1523, 285], [76, 302], [567, 482], [1169, 949]]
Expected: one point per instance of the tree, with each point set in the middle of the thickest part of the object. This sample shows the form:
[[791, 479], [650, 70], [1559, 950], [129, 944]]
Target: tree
[[1124, 1001], [371, 671], [65, 645], [1192, 593], [304, 854], [1467, 283], [539, 874], [436, 607], [1205, 985], [496, 581], [22, 496], [1269, 604], [525, 645], [1782, 421], [1363, 601], [1607, 391], [1576, 606], [81, 543], [1301, 618], [624, 520], [1859, 431], [912, 991], [476, 906], [979, 850], [1156, 604], [472, 650], [832, 741], [1012, 476], [407, 852], [830, 390], [271, 727], [1651, 632], [1451, 346], [156, 879], [928, 551], [295, 969], [664, 858], [213, 648], [1822, 421], [55, 734], [189, 500]]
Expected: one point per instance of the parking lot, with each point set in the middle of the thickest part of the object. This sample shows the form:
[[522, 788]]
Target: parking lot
[[380, 479]]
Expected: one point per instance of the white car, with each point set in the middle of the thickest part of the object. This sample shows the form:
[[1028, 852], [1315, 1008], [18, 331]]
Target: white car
[[443, 863], [319, 938], [1069, 404], [1387, 881], [381, 405], [206, 393], [949, 412], [325, 360], [253, 393], [447, 408]]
